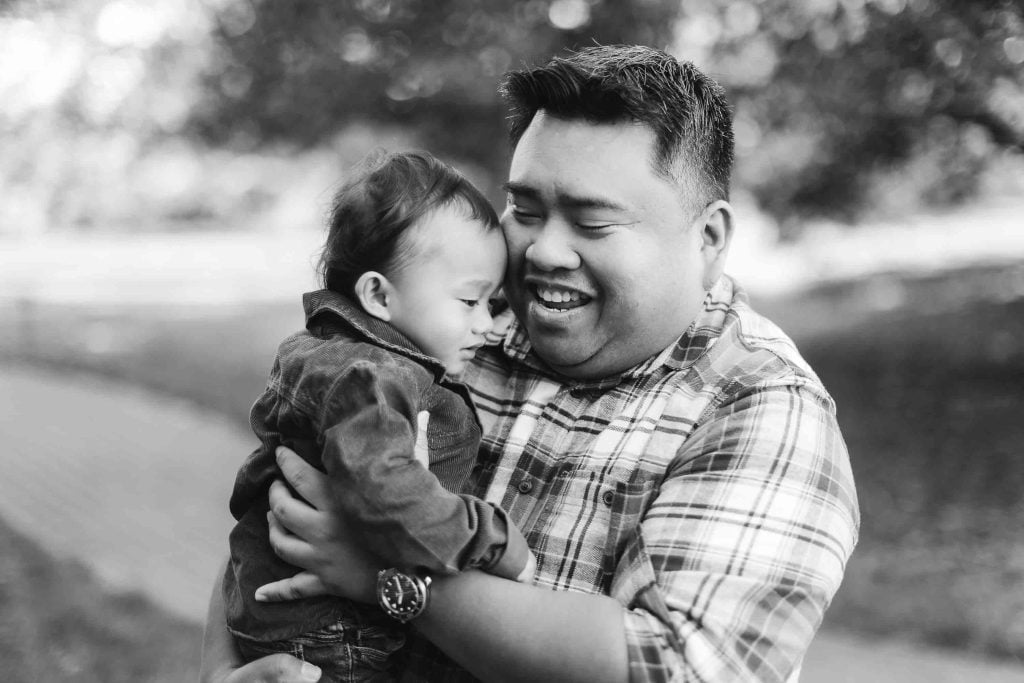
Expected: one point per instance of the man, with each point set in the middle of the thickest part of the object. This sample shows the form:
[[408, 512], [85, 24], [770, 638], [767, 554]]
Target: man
[[674, 464]]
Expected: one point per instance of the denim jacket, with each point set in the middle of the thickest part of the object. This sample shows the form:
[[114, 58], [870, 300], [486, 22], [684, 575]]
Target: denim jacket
[[356, 399]]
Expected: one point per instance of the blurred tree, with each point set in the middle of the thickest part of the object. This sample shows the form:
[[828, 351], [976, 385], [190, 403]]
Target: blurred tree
[[841, 105], [834, 95], [301, 71]]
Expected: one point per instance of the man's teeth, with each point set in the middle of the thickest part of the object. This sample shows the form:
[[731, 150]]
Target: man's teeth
[[555, 296], [560, 299]]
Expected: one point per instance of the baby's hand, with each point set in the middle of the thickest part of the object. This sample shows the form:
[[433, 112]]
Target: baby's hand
[[526, 576]]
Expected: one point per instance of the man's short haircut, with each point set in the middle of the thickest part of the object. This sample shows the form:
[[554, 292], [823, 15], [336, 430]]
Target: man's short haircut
[[372, 212], [686, 110]]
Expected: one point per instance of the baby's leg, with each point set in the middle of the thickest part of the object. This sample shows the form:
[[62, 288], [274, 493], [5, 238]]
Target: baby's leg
[[347, 651]]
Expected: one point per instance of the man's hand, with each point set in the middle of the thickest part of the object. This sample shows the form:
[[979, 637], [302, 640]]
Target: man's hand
[[312, 534]]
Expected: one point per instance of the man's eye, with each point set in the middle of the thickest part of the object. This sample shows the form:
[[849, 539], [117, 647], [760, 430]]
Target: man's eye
[[590, 222], [524, 216]]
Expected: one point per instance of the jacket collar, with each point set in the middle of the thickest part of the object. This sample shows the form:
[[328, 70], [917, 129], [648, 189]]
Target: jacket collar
[[324, 307]]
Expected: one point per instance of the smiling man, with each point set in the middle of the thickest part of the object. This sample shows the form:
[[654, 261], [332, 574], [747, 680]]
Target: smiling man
[[610, 260], [673, 462]]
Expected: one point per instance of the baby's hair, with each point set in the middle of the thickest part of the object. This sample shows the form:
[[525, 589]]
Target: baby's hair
[[372, 211]]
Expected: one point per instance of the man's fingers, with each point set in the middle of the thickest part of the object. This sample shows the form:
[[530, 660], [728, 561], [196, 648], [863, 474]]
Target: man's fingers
[[295, 515], [302, 585], [280, 668], [307, 481], [288, 547]]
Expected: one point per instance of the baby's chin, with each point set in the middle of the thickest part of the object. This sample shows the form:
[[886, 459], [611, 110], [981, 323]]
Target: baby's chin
[[455, 369]]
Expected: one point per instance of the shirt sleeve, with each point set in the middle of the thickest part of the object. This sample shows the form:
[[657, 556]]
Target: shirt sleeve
[[400, 509], [744, 546]]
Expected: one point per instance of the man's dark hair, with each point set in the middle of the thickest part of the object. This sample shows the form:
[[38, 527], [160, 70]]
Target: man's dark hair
[[375, 208], [686, 110]]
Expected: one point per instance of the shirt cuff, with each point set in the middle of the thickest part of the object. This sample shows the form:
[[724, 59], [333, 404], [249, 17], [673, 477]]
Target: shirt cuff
[[515, 557]]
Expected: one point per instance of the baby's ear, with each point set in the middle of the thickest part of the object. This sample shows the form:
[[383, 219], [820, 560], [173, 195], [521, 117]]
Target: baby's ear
[[373, 293]]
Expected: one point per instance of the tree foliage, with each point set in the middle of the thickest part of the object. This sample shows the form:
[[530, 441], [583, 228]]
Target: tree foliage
[[830, 94], [865, 87], [300, 71]]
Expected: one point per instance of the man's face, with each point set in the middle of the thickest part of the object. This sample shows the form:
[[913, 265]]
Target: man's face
[[606, 260]]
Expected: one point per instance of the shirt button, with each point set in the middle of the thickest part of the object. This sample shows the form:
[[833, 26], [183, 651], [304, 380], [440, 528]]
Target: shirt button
[[608, 497], [525, 486]]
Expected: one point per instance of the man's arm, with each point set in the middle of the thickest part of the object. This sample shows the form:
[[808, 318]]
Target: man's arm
[[738, 557], [500, 630]]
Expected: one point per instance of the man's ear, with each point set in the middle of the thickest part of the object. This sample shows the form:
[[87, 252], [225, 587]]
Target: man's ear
[[716, 236], [373, 291]]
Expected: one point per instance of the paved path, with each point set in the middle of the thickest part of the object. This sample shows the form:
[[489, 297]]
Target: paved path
[[135, 485]]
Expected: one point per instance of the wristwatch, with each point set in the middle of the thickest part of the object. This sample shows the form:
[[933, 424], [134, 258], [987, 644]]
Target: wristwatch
[[402, 596]]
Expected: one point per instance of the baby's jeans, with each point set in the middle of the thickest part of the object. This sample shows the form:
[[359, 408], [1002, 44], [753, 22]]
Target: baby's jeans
[[357, 648]]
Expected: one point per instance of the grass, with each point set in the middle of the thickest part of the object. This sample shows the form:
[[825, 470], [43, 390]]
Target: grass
[[930, 407], [57, 624], [218, 358], [929, 394]]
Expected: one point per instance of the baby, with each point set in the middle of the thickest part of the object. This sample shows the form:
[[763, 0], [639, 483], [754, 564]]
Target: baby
[[365, 393]]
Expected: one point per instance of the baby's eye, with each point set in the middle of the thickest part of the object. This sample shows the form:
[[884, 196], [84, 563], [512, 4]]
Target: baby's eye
[[472, 303]]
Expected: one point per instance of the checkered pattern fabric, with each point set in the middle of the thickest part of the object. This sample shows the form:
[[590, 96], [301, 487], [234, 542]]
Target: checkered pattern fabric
[[708, 490]]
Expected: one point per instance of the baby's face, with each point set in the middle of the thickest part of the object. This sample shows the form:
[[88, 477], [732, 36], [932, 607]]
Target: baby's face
[[440, 296]]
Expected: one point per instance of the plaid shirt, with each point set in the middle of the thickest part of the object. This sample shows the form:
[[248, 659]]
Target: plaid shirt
[[707, 489]]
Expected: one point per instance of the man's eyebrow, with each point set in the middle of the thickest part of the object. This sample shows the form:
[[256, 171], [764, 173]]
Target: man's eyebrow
[[566, 200], [517, 188]]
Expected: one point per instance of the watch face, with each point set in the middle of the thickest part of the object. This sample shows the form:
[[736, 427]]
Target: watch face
[[394, 592], [401, 596]]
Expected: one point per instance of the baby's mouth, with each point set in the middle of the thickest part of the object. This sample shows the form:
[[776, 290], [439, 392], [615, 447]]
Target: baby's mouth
[[559, 299]]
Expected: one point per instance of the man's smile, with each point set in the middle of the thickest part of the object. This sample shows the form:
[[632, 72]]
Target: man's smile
[[559, 298]]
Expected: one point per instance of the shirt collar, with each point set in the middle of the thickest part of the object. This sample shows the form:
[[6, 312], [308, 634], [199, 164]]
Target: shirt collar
[[324, 302], [692, 344]]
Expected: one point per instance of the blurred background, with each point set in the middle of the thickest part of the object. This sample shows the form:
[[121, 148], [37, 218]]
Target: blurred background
[[165, 166]]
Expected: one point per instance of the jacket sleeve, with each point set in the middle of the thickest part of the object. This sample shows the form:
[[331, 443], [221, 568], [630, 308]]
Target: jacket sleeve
[[401, 511]]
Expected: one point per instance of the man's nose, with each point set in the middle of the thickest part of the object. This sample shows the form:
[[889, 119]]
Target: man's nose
[[552, 248]]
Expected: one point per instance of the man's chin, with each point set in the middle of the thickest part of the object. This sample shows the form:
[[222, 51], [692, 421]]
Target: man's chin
[[560, 355]]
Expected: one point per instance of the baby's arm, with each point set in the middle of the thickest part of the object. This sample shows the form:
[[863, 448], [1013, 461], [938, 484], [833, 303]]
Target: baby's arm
[[399, 508]]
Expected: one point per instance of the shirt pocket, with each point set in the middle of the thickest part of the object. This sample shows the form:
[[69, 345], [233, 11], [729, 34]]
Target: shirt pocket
[[627, 502]]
